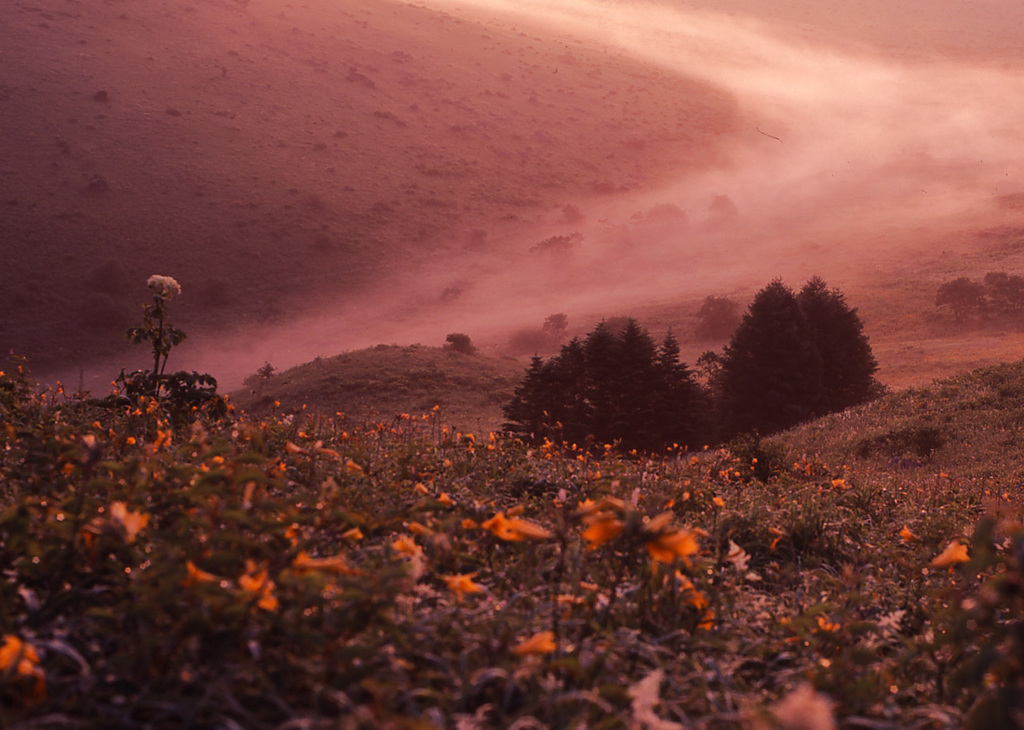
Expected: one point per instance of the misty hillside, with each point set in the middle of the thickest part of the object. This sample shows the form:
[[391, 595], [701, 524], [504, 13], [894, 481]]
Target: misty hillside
[[323, 176], [277, 158]]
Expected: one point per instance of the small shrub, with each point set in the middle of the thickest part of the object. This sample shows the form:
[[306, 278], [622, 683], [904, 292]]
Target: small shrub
[[458, 342]]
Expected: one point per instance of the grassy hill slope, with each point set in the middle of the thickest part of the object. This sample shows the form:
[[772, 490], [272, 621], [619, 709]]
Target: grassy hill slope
[[387, 380]]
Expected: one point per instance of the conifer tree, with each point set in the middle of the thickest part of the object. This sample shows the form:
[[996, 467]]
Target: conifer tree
[[771, 372], [794, 357], [611, 388], [848, 365]]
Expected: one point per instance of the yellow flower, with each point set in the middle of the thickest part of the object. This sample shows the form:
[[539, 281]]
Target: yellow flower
[[22, 660], [516, 529], [132, 522], [667, 546], [462, 584], [540, 643], [257, 582], [955, 552]]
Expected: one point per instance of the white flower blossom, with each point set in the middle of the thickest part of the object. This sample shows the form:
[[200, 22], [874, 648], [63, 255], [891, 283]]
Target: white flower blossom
[[164, 286]]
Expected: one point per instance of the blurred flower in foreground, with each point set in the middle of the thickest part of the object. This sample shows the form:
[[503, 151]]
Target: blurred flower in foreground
[[196, 575], [955, 552], [257, 583], [336, 564], [132, 522], [515, 529], [665, 544], [540, 643], [462, 584], [805, 709], [21, 660]]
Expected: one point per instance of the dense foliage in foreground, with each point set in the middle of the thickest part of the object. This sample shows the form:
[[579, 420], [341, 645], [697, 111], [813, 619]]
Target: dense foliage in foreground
[[292, 572]]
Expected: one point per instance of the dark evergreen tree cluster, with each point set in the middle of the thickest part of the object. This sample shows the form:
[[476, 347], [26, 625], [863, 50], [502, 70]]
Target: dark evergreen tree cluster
[[793, 357], [612, 387]]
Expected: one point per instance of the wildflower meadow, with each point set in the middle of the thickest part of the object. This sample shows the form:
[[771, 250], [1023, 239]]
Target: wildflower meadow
[[171, 562]]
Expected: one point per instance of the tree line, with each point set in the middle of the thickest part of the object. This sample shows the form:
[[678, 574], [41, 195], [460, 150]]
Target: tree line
[[792, 357], [998, 294]]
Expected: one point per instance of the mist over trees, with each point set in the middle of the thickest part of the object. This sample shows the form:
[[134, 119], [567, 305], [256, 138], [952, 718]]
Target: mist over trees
[[717, 318], [792, 357]]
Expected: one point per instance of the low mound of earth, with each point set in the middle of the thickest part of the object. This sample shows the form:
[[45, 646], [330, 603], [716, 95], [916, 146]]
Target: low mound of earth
[[386, 381], [274, 157]]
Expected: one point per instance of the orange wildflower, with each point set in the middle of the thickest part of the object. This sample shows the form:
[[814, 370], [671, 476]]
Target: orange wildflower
[[906, 535], [540, 643], [195, 575], [955, 552], [462, 584], [667, 546], [406, 546], [825, 625], [515, 529], [603, 527], [336, 564], [258, 583], [354, 534], [22, 660], [689, 592], [132, 522], [418, 528]]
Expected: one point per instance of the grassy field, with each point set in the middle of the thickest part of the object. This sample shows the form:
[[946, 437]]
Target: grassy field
[[387, 380], [306, 570]]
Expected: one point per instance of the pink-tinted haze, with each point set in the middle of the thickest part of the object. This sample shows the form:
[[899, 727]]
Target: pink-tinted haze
[[870, 136], [332, 175]]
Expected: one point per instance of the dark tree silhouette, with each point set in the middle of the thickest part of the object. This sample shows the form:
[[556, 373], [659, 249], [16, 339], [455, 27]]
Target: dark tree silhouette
[[459, 342], [610, 388], [794, 357], [1005, 292], [848, 365], [963, 296], [771, 372]]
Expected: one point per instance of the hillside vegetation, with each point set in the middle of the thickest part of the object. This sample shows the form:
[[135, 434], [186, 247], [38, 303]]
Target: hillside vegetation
[[385, 381], [317, 571]]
